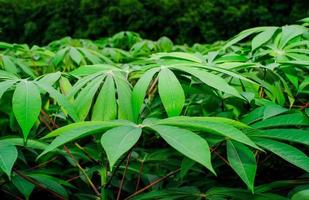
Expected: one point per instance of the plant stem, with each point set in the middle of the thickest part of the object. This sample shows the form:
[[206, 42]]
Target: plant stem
[[38, 184], [139, 175], [11, 194], [123, 176], [83, 171], [115, 170], [153, 183]]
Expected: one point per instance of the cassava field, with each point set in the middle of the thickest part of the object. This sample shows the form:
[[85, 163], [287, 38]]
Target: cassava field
[[130, 118]]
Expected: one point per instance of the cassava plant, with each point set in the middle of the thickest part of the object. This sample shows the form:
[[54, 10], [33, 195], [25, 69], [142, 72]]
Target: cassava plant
[[129, 118]]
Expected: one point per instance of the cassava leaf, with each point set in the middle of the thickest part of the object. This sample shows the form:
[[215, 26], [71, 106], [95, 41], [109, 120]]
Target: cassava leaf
[[187, 143], [119, 140], [171, 92], [26, 105]]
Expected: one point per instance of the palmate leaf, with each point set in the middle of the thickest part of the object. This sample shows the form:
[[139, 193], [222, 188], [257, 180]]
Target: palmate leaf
[[242, 161], [119, 140], [166, 64], [26, 105], [8, 156], [114, 100], [186, 142]]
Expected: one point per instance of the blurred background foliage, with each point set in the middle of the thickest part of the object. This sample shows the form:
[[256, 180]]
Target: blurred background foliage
[[184, 21]]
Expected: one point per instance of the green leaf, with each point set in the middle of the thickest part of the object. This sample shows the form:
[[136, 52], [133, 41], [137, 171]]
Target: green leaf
[[7, 75], [17, 141], [171, 92], [287, 152], [23, 186], [186, 142], [292, 135], [118, 141], [5, 85], [210, 126], [301, 195], [212, 80], [81, 83], [139, 91], [61, 100], [242, 35], [25, 68], [92, 58], [86, 70], [51, 183], [9, 65], [26, 105], [290, 32], [8, 156], [263, 37], [50, 79], [273, 110], [105, 107], [84, 99], [185, 66], [178, 55], [186, 165], [294, 119], [242, 161], [58, 58], [124, 98], [76, 56]]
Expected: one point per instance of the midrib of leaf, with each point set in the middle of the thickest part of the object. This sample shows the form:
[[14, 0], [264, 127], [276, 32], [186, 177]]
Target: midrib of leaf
[[172, 96], [27, 92]]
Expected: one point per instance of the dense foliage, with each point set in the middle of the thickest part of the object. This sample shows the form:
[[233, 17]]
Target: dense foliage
[[129, 118], [184, 21]]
